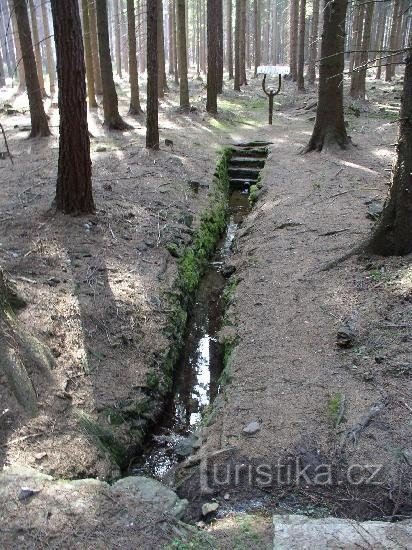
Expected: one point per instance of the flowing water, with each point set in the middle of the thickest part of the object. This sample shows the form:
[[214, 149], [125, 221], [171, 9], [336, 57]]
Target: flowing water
[[197, 373]]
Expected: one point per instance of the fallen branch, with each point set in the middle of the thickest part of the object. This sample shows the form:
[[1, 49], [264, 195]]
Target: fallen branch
[[6, 144], [353, 434]]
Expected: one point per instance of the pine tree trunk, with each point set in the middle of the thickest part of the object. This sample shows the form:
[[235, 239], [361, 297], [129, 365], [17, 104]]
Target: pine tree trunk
[[5, 44], [229, 36], [358, 78], [393, 235], [393, 39], [380, 33], [301, 48], [313, 45], [182, 54], [135, 107], [212, 55], [171, 48], [36, 44], [95, 48], [257, 33], [9, 37], [51, 69], [118, 46], [20, 65], [88, 55], [242, 43], [74, 179], [176, 56], [237, 47], [293, 38], [2, 75], [124, 39], [162, 86], [152, 121], [329, 127], [112, 118], [39, 124], [220, 38], [357, 27]]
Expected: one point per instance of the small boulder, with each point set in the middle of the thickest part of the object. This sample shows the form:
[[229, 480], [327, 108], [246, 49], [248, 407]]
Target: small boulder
[[209, 508], [251, 428]]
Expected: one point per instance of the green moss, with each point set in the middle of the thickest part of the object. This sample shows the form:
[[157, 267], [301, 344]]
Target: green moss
[[103, 437], [229, 291], [336, 409]]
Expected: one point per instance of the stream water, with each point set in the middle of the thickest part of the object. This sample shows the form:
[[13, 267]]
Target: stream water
[[196, 381]]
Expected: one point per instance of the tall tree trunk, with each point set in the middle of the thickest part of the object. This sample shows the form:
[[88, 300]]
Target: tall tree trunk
[[135, 107], [257, 32], [313, 44], [118, 45], [74, 179], [220, 38], [380, 34], [229, 36], [5, 43], [358, 77], [51, 69], [39, 124], [393, 39], [20, 65], [95, 48], [357, 26], [181, 29], [152, 123], [301, 49], [112, 118], [171, 30], [9, 38], [237, 47], [2, 75], [329, 127], [293, 38], [175, 55], [212, 55], [124, 40], [36, 44], [393, 235], [242, 43], [88, 55], [162, 86]]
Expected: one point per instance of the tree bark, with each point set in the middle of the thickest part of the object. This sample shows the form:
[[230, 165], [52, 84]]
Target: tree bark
[[36, 44], [230, 38], [257, 32], [88, 55], [301, 48], [171, 30], [95, 48], [393, 39], [293, 38], [380, 33], [393, 235], [329, 127], [39, 124], [2, 75], [313, 45], [358, 77], [357, 27], [112, 118], [162, 86], [212, 54], [182, 54], [118, 46], [20, 65], [220, 38], [51, 69], [135, 107], [242, 43], [74, 179], [152, 123]]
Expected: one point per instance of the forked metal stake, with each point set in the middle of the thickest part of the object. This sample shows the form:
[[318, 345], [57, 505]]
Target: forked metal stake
[[271, 94]]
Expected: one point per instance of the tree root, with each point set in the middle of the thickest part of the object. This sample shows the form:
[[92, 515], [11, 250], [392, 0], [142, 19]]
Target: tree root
[[353, 434], [19, 349], [352, 252]]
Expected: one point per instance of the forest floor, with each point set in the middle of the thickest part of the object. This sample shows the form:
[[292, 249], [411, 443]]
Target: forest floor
[[95, 291]]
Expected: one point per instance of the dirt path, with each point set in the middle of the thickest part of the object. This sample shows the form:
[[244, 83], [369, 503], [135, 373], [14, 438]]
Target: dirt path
[[95, 289]]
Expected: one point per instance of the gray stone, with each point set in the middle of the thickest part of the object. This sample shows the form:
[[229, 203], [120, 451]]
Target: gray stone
[[297, 532], [251, 428], [209, 507]]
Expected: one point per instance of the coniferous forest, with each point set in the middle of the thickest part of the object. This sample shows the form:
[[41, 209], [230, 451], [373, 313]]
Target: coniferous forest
[[205, 274]]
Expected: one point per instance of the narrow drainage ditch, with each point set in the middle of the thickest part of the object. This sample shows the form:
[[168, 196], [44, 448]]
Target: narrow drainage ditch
[[198, 370]]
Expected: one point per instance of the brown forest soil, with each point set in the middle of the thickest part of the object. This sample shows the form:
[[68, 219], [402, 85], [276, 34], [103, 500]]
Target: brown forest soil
[[95, 290]]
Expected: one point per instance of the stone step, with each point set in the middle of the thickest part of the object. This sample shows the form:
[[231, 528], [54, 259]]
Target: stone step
[[241, 183], [249, 162], [244, 172]]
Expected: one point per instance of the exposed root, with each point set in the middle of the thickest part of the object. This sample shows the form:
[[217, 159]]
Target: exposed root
[[353, 434], [353, 252]]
